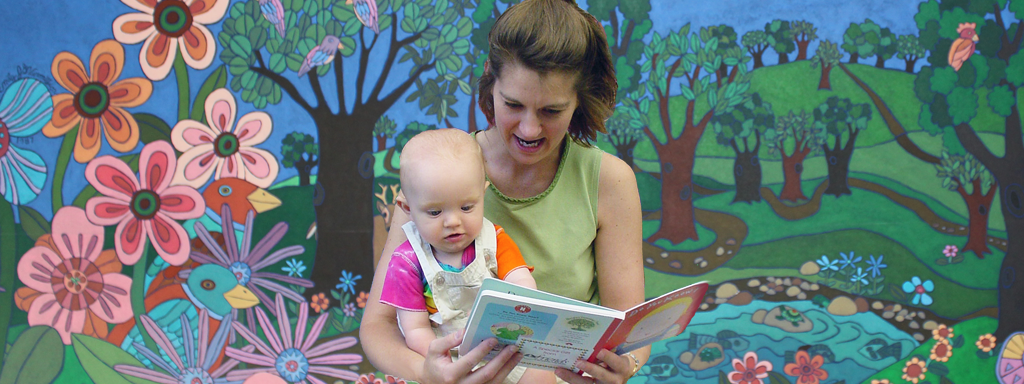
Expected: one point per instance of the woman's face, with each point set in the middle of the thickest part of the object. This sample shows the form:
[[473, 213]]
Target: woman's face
[[532, 112]]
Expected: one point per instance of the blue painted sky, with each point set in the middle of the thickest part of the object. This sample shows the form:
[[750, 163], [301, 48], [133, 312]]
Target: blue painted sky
[[32, 33]]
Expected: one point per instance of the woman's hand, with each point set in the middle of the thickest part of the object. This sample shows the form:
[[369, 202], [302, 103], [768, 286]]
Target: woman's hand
[[610, 369], [438, 367]]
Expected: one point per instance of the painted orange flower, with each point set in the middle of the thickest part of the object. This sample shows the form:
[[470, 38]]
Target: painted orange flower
[[941, 351], [166, 26], [361, 299], [749, 370], [96, 99], [942, 332], [319, 302], [806, 369], [882, 381], [915, 370], [986, 343]]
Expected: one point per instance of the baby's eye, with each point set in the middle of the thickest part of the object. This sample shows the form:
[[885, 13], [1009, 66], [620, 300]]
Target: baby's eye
[[433, 212], [467, 208]]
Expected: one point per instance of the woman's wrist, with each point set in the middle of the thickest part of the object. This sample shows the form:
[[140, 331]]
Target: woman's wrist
[[636, 363]]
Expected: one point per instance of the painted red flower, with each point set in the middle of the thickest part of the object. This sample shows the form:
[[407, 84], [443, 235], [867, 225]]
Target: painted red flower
[[749, 370], [806, 369]]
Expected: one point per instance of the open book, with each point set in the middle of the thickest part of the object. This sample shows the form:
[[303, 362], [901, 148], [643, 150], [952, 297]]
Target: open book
[[554, 331]]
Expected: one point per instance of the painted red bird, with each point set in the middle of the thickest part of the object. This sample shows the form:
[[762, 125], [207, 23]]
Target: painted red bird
[[963, 47]]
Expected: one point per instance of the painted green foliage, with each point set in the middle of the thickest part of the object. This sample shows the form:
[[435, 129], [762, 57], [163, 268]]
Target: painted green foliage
[[909, 49], [780, 38], [866, 39], [37, 357], [827, 55], [626, 129], [626, 23], [300, 151], [382, 130], [742, 128], [839, 118], [755, 42]]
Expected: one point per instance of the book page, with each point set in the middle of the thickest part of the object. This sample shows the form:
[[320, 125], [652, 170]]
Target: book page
[[660, 318]]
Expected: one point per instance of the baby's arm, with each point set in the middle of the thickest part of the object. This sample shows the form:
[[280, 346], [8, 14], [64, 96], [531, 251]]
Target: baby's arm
[[521, 277], [416, 326]]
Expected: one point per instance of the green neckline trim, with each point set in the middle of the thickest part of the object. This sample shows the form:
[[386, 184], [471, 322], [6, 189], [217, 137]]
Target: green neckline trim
[[561, 164]]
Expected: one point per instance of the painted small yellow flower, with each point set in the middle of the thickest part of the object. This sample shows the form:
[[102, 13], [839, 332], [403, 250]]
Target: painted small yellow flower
[[881, 381], [915, 370], [942, 332], [941, 351], [986, 342]]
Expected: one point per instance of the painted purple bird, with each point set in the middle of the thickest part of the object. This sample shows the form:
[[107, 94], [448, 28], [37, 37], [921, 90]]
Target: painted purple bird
[[273, 11], [321, 54], [366, 12]]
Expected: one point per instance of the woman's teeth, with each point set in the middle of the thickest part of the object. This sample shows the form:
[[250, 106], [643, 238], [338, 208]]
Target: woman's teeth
[[528, 144]]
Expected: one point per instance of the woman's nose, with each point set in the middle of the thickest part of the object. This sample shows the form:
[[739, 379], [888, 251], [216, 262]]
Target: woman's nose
[[529, 126]]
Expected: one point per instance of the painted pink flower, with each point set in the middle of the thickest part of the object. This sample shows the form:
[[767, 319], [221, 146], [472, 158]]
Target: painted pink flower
[[950, 251], [143, 207], [166, 26], [294, 359], [749, 370], [224, 149], [71, 284]]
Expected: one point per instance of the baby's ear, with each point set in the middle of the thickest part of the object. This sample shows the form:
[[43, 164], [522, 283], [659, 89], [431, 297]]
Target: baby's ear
[[401, 203]]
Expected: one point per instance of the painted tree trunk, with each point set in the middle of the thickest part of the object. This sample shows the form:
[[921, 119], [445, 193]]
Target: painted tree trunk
[[825, 83], [1011, 286], [978, 207], [853, 58], [792, 167], [910, 65], [758, 59], [382, 142], [747, 170], [625, 152], [838, 160], [304, 168], [880, 62], [345, 216], [677, 223], [801, 46], [783, 58]]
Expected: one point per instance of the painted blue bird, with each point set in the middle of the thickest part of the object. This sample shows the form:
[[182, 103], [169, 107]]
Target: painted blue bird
[[321, 54], [366, 12], [273, 11]]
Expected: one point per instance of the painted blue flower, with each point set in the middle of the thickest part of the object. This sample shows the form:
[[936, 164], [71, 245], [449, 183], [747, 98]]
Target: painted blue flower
[[350, 310], [920, 290], [848, 261], [876, 266], [825, 263], [295, 268], [348, 282], [25, 107], [859, 276]]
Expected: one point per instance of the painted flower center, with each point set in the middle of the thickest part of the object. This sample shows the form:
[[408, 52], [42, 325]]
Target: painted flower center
[[145, 204], [941, 350], [92, 100], [226, 144], [242, 272], [292, 365], [80, 279], [5, 138], [919, 289], [172, 18], [748, 376], [195, 376], [913, 370], [807, 370]]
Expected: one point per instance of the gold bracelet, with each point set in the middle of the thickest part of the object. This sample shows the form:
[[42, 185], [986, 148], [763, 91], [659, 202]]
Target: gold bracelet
[[636, 364]]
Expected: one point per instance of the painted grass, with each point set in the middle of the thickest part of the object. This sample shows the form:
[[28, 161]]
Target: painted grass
[[965, 366]]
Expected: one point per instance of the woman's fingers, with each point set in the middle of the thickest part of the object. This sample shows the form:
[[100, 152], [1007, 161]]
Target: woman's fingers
[[610, 368]]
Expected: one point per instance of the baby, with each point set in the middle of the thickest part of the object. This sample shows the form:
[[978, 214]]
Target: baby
[[433, 278]]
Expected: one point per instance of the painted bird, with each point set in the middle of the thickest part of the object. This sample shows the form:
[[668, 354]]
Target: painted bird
[[366, 12], [273, 11], [242, 196], [186, 291], [963, 47], [321, 54]]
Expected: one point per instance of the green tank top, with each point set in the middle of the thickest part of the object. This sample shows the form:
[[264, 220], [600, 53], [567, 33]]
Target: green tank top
[[555, 230]]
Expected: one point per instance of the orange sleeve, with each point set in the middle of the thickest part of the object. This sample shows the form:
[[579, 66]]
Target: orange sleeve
[[509, 258]]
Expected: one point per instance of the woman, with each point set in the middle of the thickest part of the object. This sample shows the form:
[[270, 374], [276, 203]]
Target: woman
[[574, 210]]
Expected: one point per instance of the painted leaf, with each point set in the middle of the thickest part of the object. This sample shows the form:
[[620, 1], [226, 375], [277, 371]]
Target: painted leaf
[[33, 222], [36, 358], [217, 79], [938, 369], [99, 357], [152, 128]]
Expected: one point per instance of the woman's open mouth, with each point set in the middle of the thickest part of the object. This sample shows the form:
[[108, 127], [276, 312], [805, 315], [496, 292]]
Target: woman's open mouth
[[528, 145]]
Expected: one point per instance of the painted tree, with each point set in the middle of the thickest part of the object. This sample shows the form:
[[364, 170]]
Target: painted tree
[[860, 39], [626, 23], [625, 129], [681, 54], [382, 130], [909, 49], [403, 137], [420, 43], [728, 46], [836, 119], [780, 38], [996, 71], [756, 42], [742, 129], [300, 151], [484, 15], [804, 32], [965, 175], [827, 56], [793, 138], [886, 47]]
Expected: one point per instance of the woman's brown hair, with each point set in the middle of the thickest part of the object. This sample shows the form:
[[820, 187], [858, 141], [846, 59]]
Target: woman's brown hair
[[555, 36]]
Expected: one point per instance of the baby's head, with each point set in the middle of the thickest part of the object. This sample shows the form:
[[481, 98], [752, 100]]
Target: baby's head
[[442, 176]]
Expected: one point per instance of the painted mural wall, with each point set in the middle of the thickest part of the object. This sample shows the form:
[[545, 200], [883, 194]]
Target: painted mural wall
[[194, 190]]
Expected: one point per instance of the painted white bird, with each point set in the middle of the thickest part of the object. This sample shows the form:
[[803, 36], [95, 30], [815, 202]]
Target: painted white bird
[[321, 54]]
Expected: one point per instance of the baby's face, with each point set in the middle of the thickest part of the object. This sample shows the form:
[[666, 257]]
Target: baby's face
[[446, 202]]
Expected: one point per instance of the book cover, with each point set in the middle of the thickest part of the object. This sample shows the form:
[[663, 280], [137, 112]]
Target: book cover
[[553, 331]]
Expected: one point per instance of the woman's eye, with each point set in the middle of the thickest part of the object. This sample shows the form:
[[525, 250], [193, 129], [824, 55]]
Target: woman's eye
[[552, 111], [513, 105]]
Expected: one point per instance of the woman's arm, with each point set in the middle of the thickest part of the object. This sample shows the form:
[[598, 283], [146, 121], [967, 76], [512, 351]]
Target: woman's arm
[[385, 347], [619, 258]]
